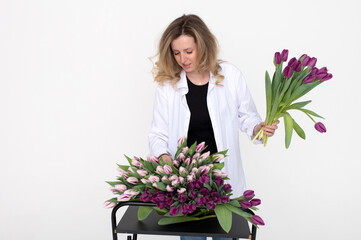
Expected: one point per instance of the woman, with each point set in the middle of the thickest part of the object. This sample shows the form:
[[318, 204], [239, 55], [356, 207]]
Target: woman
[[201, 97]]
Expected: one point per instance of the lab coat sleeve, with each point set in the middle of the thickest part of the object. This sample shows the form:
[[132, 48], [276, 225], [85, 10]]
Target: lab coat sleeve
[[248, 116], [158, 135]]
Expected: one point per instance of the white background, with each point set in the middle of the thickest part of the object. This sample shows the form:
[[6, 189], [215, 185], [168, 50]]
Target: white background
[[76, 93]]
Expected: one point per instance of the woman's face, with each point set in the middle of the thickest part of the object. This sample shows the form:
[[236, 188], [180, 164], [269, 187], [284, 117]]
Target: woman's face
[[185, 53]]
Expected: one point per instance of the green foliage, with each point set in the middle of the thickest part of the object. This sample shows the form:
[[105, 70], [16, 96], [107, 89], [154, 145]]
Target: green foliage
[[143, 212], [224, 216], [288, 128]]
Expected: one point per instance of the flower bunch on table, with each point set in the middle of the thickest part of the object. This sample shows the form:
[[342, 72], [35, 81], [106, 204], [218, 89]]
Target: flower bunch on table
[[189, 188], [288, 84]]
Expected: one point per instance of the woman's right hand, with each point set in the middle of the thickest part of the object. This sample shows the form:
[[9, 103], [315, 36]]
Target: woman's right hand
[[166, 158]]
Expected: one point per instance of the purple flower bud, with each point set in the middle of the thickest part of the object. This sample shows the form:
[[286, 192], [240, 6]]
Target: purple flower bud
[[255, 202], [306, 60], [204, 179], [211, 205], [287, 72], [248, 194], [292, 62], [193, 195], [219, 181], [322, 70], [225, 199], [314, 71], [144, 197], [161, 205], [182, 198], [277, 58], [200, 147], [184, 209], [320, 76], [168, 201], [245, 204], [198, 184], [204, 191], [181, 141], [173, 211], [320, 127], [257, 220], [160, 197], [191, 207], [217, 200], [312, 62], [284, 55], [200, 201], [191, 186], [309, 79], [227, 187], [297, 66], [327, 77]]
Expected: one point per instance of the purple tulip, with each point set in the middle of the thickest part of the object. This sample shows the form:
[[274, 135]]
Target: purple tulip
[[320, 127], [144, 197], [204, 191], [200, 201], [248, 194], [322, 70], [245, 204], [198, 184], [108, 204], [255, 201], [257, 220], [211, 205], [225, 199], [227, 187], [181, 141], [132, 180], [292, 62], [327, 77], [217, 200], [312, 62], [297, 66], [193, 194], [284, 55], [287, 72], [200, 147], [168, 201], [182, 198], [173, 211], [320, 76], [191, 186], [161, 205], [204, 179], [310, 78], [184, 210], [314, 71], [219, 181], [306, 60], [191, 207], [277, 58]]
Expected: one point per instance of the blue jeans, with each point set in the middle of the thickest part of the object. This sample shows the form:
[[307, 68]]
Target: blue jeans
[[202, 238]]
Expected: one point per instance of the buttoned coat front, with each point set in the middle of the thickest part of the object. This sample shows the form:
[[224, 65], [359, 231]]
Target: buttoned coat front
[[230, 107]]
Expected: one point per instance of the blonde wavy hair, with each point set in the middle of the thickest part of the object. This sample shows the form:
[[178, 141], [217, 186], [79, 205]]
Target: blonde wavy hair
[[166, 69]]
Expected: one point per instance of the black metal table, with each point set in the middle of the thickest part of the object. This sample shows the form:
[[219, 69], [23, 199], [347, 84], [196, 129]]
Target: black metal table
[[206, 228]]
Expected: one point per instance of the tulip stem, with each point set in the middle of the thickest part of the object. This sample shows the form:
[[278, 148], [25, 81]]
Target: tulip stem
[[310, 117], [258, 134]]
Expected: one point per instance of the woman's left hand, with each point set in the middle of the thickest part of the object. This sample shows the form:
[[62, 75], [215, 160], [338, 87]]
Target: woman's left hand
[[268, 130]]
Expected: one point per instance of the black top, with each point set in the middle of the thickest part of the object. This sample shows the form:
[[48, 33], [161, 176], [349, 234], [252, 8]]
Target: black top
[[200, 126]]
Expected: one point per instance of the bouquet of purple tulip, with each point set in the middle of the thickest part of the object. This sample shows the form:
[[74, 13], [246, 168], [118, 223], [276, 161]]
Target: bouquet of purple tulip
[[189, 188], [289, 84]]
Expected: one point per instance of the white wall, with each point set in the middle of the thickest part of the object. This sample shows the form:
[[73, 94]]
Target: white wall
[[76, 94]]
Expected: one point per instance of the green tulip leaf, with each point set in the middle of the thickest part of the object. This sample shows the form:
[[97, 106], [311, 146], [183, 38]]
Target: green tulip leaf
[[224, 216], [234, 203], [303, 89], [311, 113], [268, 94], [218, 166], [180, 219], [298, 105], [238, 211], [113, 183], [123, 167], [288, 128], [143, 212], [129, 160], [161, 186], [299, 130]]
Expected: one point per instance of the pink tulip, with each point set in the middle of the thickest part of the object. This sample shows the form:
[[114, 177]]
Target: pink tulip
[[175, 182], [182, 190], [159, 169], [218, 172], [204, 156], [153, 179], [187, 162], [108, 204], [174, 177], [196, 156], [142, 172], [131, 192], [132, 180], [183, 171], [165, 178], [152, 158], [200, 147], [181, 180], [123, 173], [181, 157], [218, 157], [181, 141], [175, 163], [130, 169], [190, 178], [120, 187], [144, 181], [136, 162], [123, 198], [169, 188], [185, 150], [167, 169]]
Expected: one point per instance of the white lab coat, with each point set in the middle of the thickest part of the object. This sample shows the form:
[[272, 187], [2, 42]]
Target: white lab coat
[[230, 107]]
